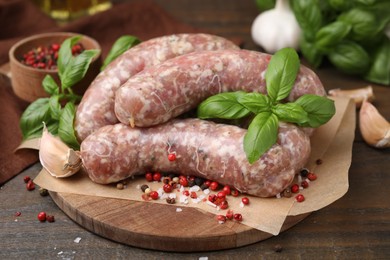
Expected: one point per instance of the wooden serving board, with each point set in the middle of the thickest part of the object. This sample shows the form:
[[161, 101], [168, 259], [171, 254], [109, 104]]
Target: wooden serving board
[[158, 226]]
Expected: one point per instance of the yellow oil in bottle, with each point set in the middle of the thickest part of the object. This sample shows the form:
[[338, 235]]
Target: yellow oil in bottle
[[66, 10]]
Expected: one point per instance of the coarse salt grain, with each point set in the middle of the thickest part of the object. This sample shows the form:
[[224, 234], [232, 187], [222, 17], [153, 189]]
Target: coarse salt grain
[[203, 258], [77, 240], [183, 199], [206, 191], [179, 209], [242, 204], [195, 188], [172, 195], [278, 196], [211, 204]]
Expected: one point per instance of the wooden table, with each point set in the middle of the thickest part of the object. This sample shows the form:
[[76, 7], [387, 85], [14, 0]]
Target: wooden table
[[355, 227]]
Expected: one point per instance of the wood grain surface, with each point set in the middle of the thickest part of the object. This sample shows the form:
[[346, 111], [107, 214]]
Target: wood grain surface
[[159, 226], [355, 227]]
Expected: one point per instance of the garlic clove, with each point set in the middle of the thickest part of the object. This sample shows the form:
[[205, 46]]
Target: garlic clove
[[374, 128], [56, 157], [358, 94]]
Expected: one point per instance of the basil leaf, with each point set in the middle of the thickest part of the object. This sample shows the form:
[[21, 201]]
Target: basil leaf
[[77, 68], [255, 102], [350, 58], [65, 54], [290, 112], [340, 5], [121, 45], [319, 109], [65, 127], [308, 15], [261, 135], [32, 118], [311, 53], [331, 34], [55, 107], [50, 85], [380, 69], [223, 105], [281, 73], [364, 24]]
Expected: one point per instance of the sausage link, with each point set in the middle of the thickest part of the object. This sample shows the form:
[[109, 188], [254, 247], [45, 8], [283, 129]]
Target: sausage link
[[178, 85], [203, 148], [96, 108]]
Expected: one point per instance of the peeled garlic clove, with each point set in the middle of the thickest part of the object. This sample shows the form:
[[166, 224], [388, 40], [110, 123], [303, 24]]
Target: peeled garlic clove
[[374, 128], [358, 94], [56, 157]]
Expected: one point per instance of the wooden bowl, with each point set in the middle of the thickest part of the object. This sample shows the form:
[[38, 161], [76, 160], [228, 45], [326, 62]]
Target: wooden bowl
[[27, 81]]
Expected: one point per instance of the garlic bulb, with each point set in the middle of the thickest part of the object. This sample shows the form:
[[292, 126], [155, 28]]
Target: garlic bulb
[[276, 28], [374, 128], [358, 95], [56, 157]]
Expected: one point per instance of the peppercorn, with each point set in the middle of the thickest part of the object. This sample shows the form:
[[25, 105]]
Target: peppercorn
[[221, 219], [30, 185], [304, 184], [287, 193], [171, 200], [149, 176], [294, 188], [234, 193], [304, 172], [312, 176], [245, 200], [157, 176], [237, 217], [300, 198], [199, 181], [223, 204], [50, 218], [229, 214], [318, 161], [154, 195], [148, 191], [171, 157], [278, 248], [214, 185], [144, 187], [43, 192], [167, 188], [26, 179], [227, 190], [42, 216]]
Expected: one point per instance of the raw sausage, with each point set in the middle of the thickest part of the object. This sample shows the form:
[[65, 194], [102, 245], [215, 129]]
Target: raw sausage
[[96, 108], [203, 148], [173, 87]]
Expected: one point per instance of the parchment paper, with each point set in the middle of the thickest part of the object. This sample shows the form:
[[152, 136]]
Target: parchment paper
[[332, 143]]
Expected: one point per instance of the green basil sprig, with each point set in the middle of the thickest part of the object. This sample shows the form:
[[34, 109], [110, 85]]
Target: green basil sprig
[[306, 111], [121, 45], [59, 121]]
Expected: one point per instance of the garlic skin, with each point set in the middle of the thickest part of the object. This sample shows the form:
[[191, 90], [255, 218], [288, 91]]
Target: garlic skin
[[276, 28], [358, 95], [56, 157], [374, 128]]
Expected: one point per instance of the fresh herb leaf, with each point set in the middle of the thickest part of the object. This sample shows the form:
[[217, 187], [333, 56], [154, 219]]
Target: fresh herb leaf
[[65, 54], [121, 45], [380, 68], [332, 34], [350, 58], [65, 127], [290, 112], [55, 107], [261, 135], [32, 118], [77, 68], [50, 85], [308, 15], [281, 73], [223, 105], [264, 5], [255, 102], [311, 53], [319, 109]]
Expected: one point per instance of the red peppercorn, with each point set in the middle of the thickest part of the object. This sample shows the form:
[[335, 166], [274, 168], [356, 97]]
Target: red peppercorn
[[172, 157], [214, 185], [245, 200], [30, 185], [295, 188], [193, 195], [212, 198], [18, 213], [42, 216], [221, 195], [183, 181], [186, 193], [304, 184], [50, 218], [223, 204], [221, 218], [26, 179], [149, 176], [234, 193], [207, 183], [227, 190], [312, 176], [167, 188], [237, 217], [229, 214], [299, 198], [157, 176], [154, 195], [55, 47]]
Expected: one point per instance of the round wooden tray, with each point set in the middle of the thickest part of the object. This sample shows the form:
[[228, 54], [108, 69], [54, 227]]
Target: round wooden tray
[[158, 226]]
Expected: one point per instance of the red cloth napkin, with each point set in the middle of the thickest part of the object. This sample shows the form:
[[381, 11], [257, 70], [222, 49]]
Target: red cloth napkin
[[20, 18]]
